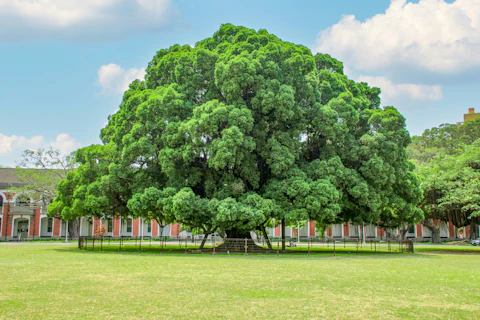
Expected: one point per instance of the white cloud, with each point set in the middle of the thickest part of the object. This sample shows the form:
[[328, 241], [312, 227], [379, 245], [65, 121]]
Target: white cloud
[[11, 147], [393, 92], [84, 19], [9, 143], [65, 144], [113, 79], [432, 36]]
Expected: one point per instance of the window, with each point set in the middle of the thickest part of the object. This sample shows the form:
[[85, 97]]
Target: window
[[109, 225], [337, 230], [411, 229], [49, 225], [353, 231], [149, 228], [371, 231], [1, 201], [129, 225]]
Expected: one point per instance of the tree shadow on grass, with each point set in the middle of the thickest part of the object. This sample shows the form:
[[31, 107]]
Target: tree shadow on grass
[[149, 251]]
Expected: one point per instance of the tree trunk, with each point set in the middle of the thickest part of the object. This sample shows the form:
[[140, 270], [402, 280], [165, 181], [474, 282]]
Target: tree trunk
[[283, 234], [473, 230], [403, 231], [434, 229], [74, 228], [265, 236], [237, 234], [205, 236], [160, 227]]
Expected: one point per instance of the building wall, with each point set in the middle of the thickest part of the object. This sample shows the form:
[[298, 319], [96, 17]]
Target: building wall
[[471, 115], [38, 226]]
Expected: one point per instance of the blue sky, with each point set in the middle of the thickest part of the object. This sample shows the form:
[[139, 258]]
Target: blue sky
[[64, 63]]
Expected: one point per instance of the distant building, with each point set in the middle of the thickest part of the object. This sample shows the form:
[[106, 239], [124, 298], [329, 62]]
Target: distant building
[[21, 218], [471, 115]]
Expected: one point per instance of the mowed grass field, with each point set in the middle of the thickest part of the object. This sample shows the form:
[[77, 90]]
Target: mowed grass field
[[58, 281]]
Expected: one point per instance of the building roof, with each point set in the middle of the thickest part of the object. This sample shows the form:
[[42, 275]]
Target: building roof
[[9, 179]]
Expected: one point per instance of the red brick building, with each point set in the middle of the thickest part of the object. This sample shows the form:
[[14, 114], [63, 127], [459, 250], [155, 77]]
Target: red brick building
[[21, 218]]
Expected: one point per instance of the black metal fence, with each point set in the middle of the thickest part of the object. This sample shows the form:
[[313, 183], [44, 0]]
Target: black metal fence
[[218, 245]]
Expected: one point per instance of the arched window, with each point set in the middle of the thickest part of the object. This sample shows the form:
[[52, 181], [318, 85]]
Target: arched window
[[129, 225], [49, 224], [22, 200], [1, 201]]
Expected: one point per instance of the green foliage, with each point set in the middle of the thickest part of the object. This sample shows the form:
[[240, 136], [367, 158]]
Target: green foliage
[[97, 187], [449, 167], [243, 130]]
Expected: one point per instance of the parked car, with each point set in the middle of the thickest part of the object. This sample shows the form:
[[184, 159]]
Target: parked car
[[475, 242]]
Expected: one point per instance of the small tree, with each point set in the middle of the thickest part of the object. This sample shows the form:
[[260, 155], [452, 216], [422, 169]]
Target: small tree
[[41, 171], [101, 231]]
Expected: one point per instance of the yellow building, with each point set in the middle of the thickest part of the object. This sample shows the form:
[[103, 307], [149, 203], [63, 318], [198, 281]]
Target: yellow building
[[471, 115]]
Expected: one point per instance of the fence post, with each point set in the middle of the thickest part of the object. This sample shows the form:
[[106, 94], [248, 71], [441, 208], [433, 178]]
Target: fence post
[[375, 248], [140, 249], [334, 248], [101, 244], [278, 248], [186, 244], [358, 240], [93, 248], [246, 246]]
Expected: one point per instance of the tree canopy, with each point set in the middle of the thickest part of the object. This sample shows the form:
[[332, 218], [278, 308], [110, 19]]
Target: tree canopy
[[448, 159], [243, 129]]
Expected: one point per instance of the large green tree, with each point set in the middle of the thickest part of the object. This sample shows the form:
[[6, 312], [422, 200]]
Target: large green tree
[[244, 129]]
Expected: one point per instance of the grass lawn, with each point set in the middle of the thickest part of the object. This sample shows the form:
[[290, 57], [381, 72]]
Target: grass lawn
[[55, 281]]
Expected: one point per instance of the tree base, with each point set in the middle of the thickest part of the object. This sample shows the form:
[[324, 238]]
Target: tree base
[[238, 246]]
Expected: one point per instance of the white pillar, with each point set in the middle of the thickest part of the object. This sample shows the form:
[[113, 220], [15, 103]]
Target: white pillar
[[13, 226], [363, 235], [66, 232], [28, 233], [298, 231]]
